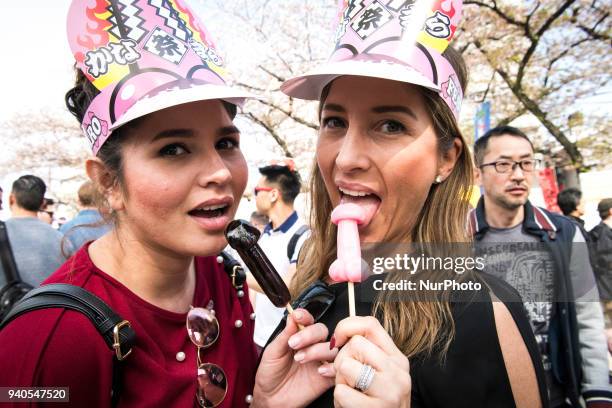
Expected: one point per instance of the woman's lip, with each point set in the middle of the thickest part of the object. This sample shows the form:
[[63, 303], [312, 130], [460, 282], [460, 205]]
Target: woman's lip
[[213, 223], [228, 200], [354, 187]]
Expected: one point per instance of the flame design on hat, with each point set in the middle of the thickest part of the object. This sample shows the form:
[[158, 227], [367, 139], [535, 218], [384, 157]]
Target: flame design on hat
[[144, 56], [401, 40]]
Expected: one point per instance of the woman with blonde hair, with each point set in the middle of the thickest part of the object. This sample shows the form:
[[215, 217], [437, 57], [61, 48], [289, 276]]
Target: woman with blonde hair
[[389, 142]]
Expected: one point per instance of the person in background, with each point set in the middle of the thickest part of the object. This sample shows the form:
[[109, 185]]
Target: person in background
[[571, 205], [88, 225], [544, 256], [45, 213], [36, 246], [259, 221], [601, 251], [275, 194]]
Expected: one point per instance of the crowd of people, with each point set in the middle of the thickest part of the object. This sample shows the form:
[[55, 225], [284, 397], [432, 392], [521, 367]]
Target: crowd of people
[[38, 248], [167, 176]]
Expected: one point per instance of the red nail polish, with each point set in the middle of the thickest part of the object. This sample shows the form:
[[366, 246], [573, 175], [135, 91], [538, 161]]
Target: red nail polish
[[332, 343]]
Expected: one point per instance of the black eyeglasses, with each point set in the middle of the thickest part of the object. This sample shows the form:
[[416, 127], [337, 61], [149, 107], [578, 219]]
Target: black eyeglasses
[[505, 166], [316, 299]]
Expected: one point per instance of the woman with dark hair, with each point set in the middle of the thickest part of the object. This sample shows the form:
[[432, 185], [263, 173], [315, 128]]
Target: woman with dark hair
[[389, 142], [151, 100]]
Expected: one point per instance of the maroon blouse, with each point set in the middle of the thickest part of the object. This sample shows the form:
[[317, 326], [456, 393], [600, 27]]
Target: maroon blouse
[[61, 348]]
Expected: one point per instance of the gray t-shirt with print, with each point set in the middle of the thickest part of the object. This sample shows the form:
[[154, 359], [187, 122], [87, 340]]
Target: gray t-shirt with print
[[36, 248], [521, 260]]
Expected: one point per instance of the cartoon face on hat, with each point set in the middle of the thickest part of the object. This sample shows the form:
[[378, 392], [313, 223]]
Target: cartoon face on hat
[[400, 40], [143, 56]]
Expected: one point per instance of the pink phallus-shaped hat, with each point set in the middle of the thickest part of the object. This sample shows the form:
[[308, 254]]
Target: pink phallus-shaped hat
[[400, 40], [143, 56]]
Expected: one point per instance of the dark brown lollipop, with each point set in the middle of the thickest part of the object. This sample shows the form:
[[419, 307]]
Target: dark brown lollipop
[[243, 237]]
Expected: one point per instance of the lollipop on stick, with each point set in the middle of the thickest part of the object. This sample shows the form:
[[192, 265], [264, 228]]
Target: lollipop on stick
[[348, 265], [243, 237]]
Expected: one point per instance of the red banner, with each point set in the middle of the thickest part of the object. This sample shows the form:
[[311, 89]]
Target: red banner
[[548, 184]]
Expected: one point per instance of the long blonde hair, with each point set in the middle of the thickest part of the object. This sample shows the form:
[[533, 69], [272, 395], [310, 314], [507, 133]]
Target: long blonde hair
[[417, 327]]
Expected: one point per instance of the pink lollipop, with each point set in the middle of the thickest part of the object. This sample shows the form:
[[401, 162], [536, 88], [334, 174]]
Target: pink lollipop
[[347, 267]]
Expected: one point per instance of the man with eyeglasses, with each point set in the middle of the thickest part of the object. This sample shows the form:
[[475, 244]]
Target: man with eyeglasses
[[281, 239], [544, 256]]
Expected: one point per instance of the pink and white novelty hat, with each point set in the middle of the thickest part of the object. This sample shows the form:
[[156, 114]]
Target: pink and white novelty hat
[[143, 56], [400, 40]]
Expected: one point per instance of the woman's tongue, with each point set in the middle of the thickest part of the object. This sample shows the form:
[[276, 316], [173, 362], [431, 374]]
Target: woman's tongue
[[368, 203]]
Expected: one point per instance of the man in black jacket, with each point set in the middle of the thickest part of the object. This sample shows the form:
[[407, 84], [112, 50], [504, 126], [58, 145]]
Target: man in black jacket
[[601, 249], [544, 256], [571, 205]]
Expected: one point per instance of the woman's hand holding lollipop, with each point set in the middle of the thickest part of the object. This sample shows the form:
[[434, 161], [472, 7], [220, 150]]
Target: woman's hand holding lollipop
[[370, 370]]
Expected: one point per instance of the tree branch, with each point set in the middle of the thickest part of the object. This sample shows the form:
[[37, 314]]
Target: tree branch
[[592, 32], [289, 114], [553, 17], [531, 106], [512, 116], [272, 74], [250, 87], [534, 109], [496, 10], [278, 138], [559, 56]]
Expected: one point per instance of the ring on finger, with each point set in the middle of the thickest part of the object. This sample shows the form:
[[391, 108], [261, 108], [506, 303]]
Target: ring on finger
[[366, 376]]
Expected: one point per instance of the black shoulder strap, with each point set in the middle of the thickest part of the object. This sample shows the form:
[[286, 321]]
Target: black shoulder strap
[[6, 254], [294, 240], [116, 332], [234, 270], [72, 297]]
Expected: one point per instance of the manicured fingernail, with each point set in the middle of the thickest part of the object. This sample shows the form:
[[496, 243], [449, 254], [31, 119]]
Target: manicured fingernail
[[298, 315], [323, 370], [299, 356], [294, 341], [332, 343]]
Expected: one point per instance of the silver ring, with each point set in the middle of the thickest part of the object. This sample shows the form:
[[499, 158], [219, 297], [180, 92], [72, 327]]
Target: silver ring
[[366, 376]]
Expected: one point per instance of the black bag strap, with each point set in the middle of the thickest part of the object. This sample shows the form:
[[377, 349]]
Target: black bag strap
[[234, 270], [294, 240], [8, 260], [116, 332]]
